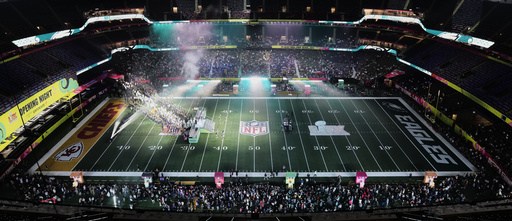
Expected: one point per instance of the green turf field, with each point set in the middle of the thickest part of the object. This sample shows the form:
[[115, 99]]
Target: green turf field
[[385, 137]]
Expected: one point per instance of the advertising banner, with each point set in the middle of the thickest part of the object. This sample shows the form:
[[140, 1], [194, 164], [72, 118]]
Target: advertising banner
[[46, 134], [235, 89], [219, 179], [29, 108], [290, 179], [307, 90]]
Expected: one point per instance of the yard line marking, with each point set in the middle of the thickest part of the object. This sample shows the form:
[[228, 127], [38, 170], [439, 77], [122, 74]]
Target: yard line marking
[[222, 142], [140, 146], [374, 134], [414, 144], [270, 142], [207, 137], [364, 101], [332, 140], [147, 164], [290, 98], [127, 142], [300, 136], [185, 158], [360, 134], [316, 138], [108, 146], [238, 144], [349, 143], [169, 156], [254, 137], [188, 149], [174, 144], [284, 136]]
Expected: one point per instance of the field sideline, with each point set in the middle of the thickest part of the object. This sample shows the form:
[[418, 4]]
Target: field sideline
[[387, 138]]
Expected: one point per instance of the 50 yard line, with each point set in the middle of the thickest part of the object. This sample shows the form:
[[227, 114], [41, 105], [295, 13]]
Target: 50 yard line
[[270, 142], [254, 137], [238, 145]]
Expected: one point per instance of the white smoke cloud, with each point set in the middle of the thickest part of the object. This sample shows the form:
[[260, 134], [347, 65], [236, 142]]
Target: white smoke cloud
[[191, 63]]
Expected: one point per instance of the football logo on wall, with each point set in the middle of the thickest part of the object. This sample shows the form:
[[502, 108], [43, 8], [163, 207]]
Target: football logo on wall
[[254, 128], [72, 152], [394, 107]]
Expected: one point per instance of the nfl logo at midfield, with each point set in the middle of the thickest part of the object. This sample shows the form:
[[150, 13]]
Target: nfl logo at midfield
[[254, 128]]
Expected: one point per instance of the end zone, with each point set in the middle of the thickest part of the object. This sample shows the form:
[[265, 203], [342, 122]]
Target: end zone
[[71, 149]]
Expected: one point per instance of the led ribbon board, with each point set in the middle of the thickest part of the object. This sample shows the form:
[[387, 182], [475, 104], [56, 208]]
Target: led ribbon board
[[64, 33], [442, 34]]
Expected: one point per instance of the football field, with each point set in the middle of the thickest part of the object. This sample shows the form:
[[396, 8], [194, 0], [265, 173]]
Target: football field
[[381, 136]]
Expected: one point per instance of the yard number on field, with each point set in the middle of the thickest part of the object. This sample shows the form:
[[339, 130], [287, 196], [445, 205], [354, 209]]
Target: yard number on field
[[220, 148], [385, 147], [352, 147], [155, 147], [188, 147], [320, 148], [359, 111], [123, 147]]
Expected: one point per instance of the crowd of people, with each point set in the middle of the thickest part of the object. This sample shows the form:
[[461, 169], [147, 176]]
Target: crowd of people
[[240, 196], [232, 63], [167, 40], [143, 97]]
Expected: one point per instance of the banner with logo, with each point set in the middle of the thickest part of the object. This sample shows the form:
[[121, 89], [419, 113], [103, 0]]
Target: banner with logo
[[70, 153], [235, 89], [290, 179], [29, 108], [219, 179], [46, 134]]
